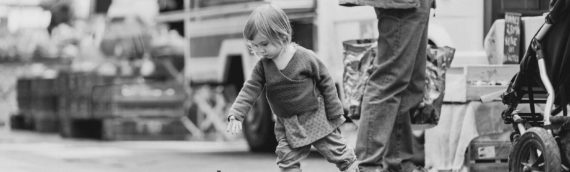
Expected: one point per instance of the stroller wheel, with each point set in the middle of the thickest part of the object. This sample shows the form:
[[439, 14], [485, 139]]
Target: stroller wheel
[[536, 150]]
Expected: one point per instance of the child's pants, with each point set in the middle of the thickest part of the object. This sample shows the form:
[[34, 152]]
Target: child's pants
[[333, 147]]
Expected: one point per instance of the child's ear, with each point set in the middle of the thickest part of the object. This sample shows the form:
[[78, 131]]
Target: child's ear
[[284, 38]]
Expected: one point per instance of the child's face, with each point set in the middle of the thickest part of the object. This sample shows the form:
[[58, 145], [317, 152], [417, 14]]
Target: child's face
[[265, 48]]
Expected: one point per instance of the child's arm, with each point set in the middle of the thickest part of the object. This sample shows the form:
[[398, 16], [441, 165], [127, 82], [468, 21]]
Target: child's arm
[[250, 91], [326, 86]]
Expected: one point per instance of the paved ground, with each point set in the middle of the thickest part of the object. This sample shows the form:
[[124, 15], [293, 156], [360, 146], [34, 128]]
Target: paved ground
[[24, 151]]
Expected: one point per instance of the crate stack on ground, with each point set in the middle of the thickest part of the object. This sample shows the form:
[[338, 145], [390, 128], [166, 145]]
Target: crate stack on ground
[[74, 105], [23, 120], [75, 97], [147, 111], [37, 101], [88, 105], [44, 105]]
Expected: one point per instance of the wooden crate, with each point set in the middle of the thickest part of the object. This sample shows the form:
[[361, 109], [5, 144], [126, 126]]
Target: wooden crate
[[488, 153], [165, 128], [469, 83]]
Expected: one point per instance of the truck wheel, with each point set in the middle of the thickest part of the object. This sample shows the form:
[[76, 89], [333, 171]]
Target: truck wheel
[[258, 127]]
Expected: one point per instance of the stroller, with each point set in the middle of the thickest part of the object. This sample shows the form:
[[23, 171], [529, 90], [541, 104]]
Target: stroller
[[541, 141]]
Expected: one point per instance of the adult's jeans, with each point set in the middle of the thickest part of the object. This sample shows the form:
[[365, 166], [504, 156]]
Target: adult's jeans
[[396, 84]]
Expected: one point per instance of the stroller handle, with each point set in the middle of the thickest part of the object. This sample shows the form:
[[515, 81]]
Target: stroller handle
[[536, 45], [543, 30]]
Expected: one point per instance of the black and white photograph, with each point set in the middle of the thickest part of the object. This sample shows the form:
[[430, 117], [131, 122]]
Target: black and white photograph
[[284, 85]]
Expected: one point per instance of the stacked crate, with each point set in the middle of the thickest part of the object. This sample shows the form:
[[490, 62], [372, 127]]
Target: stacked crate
[[72, 105], [37, 102], [44, 105], [62, 91], [75, 91], [105, 107], [23, 98], [146, 111]]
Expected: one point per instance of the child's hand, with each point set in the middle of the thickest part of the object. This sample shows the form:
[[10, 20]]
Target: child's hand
[[234, 126]]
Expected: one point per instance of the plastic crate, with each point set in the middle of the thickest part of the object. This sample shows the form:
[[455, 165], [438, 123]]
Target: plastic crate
[[143, 92], [143, 129], [41, 87], [46, 123], [88, 82], [137, 109], [79, 107], [46, 103], [23, 93], [137, 100]]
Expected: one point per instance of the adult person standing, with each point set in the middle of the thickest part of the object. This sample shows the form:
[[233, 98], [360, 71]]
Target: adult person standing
[[396, 84]]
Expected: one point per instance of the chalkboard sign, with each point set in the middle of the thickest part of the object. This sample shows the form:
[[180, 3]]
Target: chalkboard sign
[[512, 38]]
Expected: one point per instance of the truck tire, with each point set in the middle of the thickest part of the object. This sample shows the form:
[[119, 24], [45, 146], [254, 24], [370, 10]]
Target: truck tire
[[258, 127]]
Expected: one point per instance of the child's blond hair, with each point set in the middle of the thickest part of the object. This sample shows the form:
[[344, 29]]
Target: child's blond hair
[[269, 21]]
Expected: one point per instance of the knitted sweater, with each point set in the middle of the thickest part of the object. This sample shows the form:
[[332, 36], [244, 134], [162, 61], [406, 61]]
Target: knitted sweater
[[288, 91]]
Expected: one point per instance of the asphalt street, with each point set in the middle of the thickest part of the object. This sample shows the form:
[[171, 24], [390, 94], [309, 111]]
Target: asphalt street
[[26, 151]]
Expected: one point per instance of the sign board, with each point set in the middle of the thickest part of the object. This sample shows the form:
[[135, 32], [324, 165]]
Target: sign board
[[512, 40]]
